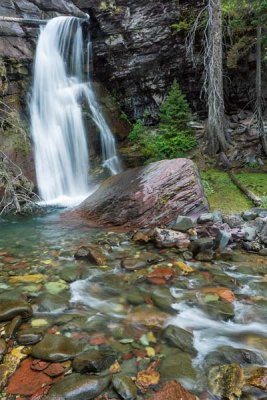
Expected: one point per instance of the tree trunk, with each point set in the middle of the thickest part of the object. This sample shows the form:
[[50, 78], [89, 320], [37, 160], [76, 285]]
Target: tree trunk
[[259, 105], [214, 68]]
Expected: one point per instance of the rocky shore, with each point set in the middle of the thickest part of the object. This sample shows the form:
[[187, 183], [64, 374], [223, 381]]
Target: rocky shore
[[107, 315]]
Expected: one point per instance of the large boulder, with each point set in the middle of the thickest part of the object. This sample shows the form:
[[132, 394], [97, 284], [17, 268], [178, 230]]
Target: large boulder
[[147, 196]]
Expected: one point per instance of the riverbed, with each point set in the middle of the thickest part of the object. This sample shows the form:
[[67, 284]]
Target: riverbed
[[198, 316]]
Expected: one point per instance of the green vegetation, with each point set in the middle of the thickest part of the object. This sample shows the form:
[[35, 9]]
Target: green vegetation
[[182, 25], [173, 138], [225, 196]]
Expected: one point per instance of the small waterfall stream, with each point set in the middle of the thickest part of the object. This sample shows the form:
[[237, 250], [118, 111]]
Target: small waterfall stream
[[58, 130]]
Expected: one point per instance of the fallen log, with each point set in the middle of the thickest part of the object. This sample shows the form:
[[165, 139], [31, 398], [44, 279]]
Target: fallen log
[[251, 196]]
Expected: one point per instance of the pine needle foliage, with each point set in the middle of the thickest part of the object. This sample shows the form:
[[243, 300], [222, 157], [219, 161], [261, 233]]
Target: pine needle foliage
[[173, 138]]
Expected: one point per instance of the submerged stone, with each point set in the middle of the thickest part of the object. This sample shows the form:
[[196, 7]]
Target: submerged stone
[[78, 387], [226, 381], [93, 361], [12, 308], [180, 338], [125, 387], [56, 348]]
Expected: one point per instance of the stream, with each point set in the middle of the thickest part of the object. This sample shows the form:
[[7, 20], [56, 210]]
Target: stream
[[109, 306]]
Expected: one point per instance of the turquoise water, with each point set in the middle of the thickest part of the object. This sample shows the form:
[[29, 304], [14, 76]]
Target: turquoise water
[[108, 306]]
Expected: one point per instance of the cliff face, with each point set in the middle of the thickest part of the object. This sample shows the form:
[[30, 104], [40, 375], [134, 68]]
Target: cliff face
[[137, 54]]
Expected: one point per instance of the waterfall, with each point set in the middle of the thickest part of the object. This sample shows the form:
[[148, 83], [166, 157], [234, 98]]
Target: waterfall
[[58, 131]]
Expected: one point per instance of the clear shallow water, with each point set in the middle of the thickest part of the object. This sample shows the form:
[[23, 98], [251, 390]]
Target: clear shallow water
[[106, 304]]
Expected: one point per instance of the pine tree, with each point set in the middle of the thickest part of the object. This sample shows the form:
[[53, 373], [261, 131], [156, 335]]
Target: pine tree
[[175, 113]]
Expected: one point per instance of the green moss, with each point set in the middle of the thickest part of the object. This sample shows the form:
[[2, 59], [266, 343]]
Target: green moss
[[223, 194]]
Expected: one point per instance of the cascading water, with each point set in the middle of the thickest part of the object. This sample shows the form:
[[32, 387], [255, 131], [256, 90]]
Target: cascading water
[[58, 131]]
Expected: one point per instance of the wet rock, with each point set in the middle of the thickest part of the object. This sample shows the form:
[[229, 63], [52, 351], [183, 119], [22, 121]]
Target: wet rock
[[259, 378], [35, 278], [91, 253], [188, 255], [148, 316], [56, 369], [163, 299], [135, 297], [165, 238], [253, 247], [69, 274], [48, 302], [176, 365], [12, 327], [173, 390], [131, 264], [226, 381], [160, 275], [78, 387], [156, 194], [143, 237], [26, 381], [93, 361], [124, 387], [180, 338], [56, 287], [183, 224], [223, 293], [12, 308], [230, 355], [28, 339], [56, 348], [3, 348], [202, 245], [207, 255], [220, 309]]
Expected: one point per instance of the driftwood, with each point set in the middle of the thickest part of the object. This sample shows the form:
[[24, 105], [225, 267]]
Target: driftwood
[[251, 196], [16, 190], [29, 21]]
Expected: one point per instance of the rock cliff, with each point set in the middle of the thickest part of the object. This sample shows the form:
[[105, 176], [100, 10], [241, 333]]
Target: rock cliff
[[137, 55]]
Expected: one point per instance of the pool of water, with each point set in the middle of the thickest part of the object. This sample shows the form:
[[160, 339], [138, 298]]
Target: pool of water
[[222, 304]]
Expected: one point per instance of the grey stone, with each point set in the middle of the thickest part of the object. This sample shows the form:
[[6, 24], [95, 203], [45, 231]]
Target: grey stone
[[204, 218], [249, 215], [183, 223], [234, 221], [180, 338], [202, 245], [222, 239], [250, 233]]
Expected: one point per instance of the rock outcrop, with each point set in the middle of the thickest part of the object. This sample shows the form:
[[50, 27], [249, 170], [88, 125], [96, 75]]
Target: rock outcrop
[[147, 196]]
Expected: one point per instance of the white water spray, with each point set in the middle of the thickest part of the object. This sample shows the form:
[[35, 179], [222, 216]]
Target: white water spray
[[58, 131]]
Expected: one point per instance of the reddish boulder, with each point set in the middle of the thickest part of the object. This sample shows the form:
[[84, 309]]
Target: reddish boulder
[[146, 196]]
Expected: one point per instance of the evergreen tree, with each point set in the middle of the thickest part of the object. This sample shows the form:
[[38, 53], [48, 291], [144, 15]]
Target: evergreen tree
[[175, 113]]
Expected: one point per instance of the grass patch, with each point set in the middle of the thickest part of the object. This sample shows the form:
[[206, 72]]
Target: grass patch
[[223, 195]]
